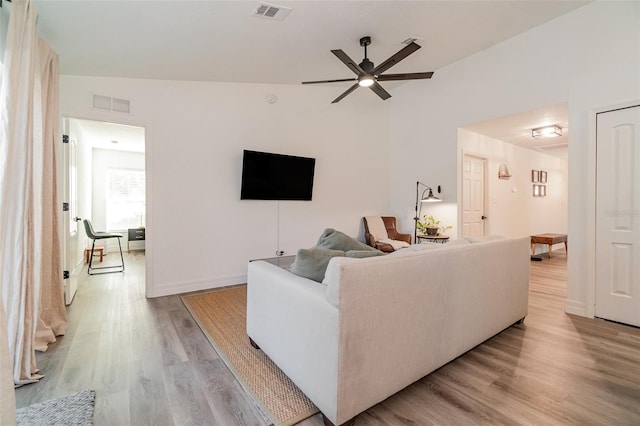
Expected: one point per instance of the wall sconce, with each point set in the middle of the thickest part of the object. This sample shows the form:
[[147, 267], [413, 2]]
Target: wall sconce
[[503, 172], [547, 132]]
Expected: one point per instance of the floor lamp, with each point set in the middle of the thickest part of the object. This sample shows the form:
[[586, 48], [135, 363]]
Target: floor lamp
[[430, 198]]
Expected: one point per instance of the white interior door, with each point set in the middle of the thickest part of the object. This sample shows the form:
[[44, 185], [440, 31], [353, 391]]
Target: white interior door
[[69, 217], [618, 216], [473, 204]]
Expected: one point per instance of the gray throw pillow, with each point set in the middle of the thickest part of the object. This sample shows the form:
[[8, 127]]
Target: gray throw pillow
[[312, 263], [336, 240]]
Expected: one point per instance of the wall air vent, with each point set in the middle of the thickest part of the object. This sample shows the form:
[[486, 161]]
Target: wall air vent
[[107, 103], [271, 11]]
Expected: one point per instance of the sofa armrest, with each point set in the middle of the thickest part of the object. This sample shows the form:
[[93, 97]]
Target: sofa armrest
[[403, 237], [290, 319]]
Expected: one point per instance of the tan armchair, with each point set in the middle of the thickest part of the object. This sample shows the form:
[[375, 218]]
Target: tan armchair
[[392, 233]]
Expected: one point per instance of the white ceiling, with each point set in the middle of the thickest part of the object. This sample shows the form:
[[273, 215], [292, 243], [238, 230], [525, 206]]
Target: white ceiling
[[211, 40], [119, 137], [222, 41], [516, 129]]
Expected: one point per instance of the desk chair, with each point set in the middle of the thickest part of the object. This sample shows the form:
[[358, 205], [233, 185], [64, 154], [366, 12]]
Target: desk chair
[[102, 236]]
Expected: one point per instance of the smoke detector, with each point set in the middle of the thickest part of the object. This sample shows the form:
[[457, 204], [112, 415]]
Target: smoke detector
[[271, 11]]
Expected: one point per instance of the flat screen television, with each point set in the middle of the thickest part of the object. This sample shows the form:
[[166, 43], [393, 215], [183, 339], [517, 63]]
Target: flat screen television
[[268, 176]]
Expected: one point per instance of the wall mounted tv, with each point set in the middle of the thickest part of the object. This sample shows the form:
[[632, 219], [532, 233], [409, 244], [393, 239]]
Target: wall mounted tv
[[268, 176]]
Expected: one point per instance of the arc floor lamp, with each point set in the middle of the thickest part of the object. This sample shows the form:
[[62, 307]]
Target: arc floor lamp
[[430, 198]]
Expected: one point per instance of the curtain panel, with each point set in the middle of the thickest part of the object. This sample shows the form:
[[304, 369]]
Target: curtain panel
[[30, 262]]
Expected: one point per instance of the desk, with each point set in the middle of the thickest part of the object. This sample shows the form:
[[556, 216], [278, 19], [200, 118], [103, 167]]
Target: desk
[[433, 238], [135, 234], [549, 240]]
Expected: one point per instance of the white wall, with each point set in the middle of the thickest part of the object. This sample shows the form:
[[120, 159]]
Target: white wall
[[511, 209], [199, 233], [595, 53]]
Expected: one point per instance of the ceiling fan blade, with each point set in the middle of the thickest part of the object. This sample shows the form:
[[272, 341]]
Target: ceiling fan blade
[[330, 81], [345, 93], [380, 91], [400, 55], [409, 76], [353, 66]]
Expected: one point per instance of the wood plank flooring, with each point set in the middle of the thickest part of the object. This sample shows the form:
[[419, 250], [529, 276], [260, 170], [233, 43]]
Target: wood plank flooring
[[151, 365]]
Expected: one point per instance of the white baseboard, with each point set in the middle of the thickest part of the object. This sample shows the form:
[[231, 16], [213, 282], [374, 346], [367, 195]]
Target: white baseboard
[[575, 307], [199, 285]]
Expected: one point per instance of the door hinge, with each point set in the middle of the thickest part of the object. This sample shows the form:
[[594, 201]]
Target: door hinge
[[65, 138], [65, 207], [65, 275]]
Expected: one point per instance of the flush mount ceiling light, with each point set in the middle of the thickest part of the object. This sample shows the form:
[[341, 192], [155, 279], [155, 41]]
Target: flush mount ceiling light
[[547, 132]]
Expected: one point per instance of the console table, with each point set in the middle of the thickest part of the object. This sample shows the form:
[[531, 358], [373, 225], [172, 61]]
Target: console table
[[434, 238], [549, 240]]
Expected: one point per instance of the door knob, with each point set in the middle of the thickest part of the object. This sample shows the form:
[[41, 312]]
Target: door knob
[[483, 217], [77, 219]]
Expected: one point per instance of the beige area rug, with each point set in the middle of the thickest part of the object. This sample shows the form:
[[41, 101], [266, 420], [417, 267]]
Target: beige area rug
[[221, 314]]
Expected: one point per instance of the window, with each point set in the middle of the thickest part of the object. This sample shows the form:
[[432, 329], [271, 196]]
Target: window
[[125, 199]]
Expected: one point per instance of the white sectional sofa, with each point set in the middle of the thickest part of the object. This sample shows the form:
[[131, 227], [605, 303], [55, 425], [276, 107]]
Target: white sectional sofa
[[376, 325]]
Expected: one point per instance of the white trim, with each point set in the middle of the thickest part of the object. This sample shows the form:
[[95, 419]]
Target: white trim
[[197, 285], [575, 307]]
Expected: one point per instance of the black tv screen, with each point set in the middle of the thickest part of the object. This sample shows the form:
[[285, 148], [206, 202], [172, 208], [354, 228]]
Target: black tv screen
[[268, 176]]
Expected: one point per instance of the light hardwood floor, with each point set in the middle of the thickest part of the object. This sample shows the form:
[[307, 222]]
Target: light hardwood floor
[[151, 365]]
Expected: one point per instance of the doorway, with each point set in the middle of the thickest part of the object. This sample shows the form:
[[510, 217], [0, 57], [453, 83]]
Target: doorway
[[104, 180]]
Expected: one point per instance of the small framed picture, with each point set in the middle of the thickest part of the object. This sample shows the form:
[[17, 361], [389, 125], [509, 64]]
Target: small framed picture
[[536, 190], [535, 176], [543, 190], [543, 176]]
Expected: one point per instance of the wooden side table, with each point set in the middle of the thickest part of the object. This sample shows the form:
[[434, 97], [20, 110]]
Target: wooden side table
[[97, 251], [549, 240], [434, 238]]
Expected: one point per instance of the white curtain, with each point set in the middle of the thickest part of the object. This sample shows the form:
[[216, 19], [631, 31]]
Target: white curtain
[[30, 261]]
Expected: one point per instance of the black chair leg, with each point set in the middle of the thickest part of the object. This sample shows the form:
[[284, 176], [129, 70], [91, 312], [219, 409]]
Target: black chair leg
[[91, 269]]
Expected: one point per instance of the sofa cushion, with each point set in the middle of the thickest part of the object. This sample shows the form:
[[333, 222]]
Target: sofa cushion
[[312, 263], [336, 240]]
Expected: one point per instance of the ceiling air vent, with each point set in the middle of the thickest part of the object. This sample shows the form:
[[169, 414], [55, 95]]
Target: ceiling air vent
[[107, 103], [271, 11]]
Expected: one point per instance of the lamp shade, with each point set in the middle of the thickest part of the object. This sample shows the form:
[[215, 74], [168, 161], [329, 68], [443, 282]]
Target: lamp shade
[[430, 198]]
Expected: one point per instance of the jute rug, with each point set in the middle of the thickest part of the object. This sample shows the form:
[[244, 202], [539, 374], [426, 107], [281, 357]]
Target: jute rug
[[76, 409], [221, 314]]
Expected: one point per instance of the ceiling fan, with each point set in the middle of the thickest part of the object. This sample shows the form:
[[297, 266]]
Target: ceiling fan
[[368, 75]]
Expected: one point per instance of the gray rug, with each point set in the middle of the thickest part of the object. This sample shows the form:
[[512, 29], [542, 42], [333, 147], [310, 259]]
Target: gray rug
[[76, 409]]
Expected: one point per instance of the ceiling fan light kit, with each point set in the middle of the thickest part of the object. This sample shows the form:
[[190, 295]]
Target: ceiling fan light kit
[[368, 75]]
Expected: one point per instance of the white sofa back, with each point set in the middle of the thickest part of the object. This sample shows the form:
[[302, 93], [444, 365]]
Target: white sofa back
[[376, 325], [405, 315]]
